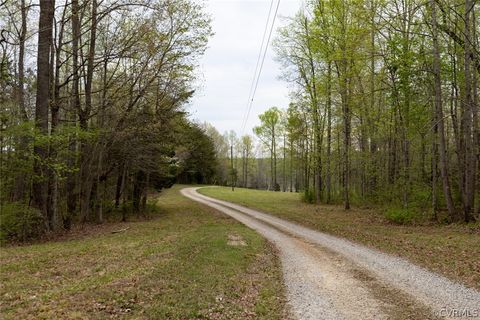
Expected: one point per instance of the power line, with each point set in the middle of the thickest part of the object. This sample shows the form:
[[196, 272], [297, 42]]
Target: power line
[[258, 62], [252, 94]]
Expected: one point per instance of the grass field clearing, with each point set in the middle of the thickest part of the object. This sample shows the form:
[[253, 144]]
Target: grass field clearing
[[179, 265]]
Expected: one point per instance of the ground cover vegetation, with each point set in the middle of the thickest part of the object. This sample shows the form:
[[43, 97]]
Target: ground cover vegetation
[[177, 265]]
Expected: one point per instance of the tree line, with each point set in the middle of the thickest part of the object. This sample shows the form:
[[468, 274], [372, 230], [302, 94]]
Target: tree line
[[384, 108], [92, 106]]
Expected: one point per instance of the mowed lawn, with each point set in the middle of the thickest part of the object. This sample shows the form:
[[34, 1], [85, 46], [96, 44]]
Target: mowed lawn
[[451, 250], [179, 265]]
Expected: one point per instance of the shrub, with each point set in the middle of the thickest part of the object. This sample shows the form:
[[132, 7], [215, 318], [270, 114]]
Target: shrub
[[401, 216], [421, 197], [308, 196], [20, 222]]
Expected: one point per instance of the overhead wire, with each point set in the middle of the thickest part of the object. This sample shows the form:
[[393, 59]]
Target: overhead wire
[[258, 62], [256, 76]]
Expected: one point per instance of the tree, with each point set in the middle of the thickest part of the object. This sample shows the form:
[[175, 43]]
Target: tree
[[197, 156], [233, 143], [293, 129], [45, 25], [376, 122], [221, 153], [268, 133], [111, 81], [439, 119], [247, 146]]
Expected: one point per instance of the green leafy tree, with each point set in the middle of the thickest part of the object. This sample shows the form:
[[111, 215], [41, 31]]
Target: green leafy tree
[[268, 132]]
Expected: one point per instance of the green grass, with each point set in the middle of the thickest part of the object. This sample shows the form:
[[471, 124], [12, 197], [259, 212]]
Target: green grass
[[451, 250], [176, 266]]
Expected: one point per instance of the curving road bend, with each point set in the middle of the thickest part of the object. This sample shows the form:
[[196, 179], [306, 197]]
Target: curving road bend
[[327, 277]]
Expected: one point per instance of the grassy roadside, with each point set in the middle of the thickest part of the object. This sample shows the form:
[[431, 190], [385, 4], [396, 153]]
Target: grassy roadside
[[176, 266], [451, 250]]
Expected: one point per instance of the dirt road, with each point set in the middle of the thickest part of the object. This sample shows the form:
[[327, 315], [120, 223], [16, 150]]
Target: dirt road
[[327, 277]]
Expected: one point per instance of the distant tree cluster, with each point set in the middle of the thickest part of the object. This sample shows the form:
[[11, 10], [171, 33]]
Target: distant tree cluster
[[92, 106]]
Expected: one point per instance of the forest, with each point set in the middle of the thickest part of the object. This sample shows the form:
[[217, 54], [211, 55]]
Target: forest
[[93, 108], [129, 189], [384, 109]]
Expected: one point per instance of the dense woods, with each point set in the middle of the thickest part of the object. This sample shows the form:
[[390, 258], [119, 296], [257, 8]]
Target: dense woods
[[92, 114], [355, 195], [384, 108]]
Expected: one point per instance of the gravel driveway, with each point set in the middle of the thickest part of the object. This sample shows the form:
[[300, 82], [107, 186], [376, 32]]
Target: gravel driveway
[[327, 277]]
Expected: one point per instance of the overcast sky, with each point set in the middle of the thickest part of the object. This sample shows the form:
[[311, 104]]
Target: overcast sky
[[229, 64]]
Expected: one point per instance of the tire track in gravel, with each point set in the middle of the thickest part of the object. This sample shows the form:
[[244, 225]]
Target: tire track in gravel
[[327, 277]]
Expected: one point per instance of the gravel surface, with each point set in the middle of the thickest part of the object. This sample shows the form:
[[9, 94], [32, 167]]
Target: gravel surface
[[327, 277]]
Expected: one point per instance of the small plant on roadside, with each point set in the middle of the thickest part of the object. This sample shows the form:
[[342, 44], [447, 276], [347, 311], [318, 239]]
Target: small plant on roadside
[[401, 216], [308, 196], [20, 222]]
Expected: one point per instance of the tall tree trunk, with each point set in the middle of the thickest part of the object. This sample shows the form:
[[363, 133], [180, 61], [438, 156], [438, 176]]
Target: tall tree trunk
[[373, 130], [306, 152], [231, 167], [71, 184], [284, 187], [311, 84], [19, 188], [39, 188], [145, 193], [439, 114], [328, 174], [434, 165], [100, 178], [476, 120], [346, 120], [54, 218], [138, 190], [363, 154], [274, 163], [406, 153], [467, 119], [124, 192], [120, 180], [247, 155], [344, 90], [291, 166], [90, 67], [86, 182], [243, 167]]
